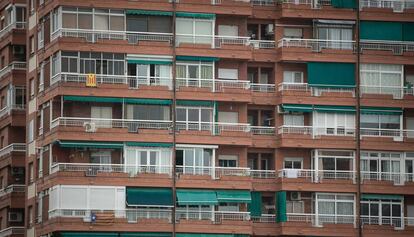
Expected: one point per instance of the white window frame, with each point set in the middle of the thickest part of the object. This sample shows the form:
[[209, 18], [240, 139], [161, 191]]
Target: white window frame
[[293, 160], [199, 125], [197, 169], [324, 218], [289, 77], [193, 35], [384, 220]]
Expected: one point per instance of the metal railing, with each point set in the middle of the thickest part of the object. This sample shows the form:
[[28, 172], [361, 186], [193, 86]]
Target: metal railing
[[396, 5], [257, 87], [10, 27], [214, 128], [263, 174], [264, 218], [303, 87], [263, 130], [95, 35], [396, 178], [214, 172], [221, 40], [263, 2], [297, 173], [396, 222], [316, 44], [395, 133], [8, 109], [317, 175], [14, 147], [315, 91], [12, 66], [215, 85], [215, 216], [316, 131], [320, 219], [94, 169], [397, 47], [18, 188], [395, 91], [15, 230], [301, 217], [263, 44], [300, 130]]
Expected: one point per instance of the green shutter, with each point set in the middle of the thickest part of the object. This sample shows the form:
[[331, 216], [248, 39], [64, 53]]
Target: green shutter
[[78, 144], [337, 75], [145, 234], [334, 109], [381, 30], [92, 99], [297, 108], [197, 58], [344, 3], [88, 234], [148, 101], [281, 206], [196, 15], [381, 110], [234, 196], [148, 12], [382, 197], [158, 62], [196, 197], [255, 207], [149, 144], [408, 31], [149, 197], [195, 103]]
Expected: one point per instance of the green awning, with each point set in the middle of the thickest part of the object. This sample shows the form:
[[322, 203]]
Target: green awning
[[92, 99], [149, 144], [381, 110], [149, 197], [297, 108], [195, 103], [197, 58], [209, 235], [79, 144], [335, 75], [88, 234], [334, 109], [381, 30], [408, 31], [196, 197], [148, 101], [382, 197], [196, 15], [145, 234], [255, 207], [281, 206], [344, 3], [158, 62], [234, 196], [148, 12]]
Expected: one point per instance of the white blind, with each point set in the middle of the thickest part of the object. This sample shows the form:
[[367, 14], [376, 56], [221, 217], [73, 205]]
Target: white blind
[[225, 73], [102, 198], [74, 197], [228, 30], [228, 117]]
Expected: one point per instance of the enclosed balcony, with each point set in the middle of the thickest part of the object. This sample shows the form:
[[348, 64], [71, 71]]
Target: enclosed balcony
[[14, 18], [20, 66]]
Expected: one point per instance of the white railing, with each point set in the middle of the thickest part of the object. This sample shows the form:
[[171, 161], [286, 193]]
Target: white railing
[[397, 47], [303, 87], [231, 40], [12, 231], [263, 44], [94, 123], [315, 91], [94, 169], [409, 91], [300, 130], [395, 133], [216, 216], [316, 44], [15, 147], [133, 82], [95, 35], [263, 174], [214, 172], [396, 5], [317, 175], [263, 2], [132, 215], [396, 178], [215, 128], [262, 130], [8, 109], [18, 188], [215, 85], [8, 28], [12, 66], [397, 222], [395, 91], [316, 131], [264, 218], [257, 87], [320, 219], [296, 173], [301, 217]]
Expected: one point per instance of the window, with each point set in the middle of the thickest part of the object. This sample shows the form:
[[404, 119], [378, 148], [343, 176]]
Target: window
[[293, 163], [201, 212], [32, 88], [335, 35], [335, 208], [334, 123], [228, 30], [150, 74], [231, 74], [292, 77], [42, 77], [102, 159], [293, 33], [380, 121], [31, 173], [293, 120], [147, 160], [2, 141], [382, 79], [230, 207], [55, 59], [32, 45], [196, 161], [381, 165], [190, 72], [31, 131], [228, 117], [382, 212], [82, 18], [334, 164], [30, 216], [40, 163], [196, 31], [295, 207], [32, 6], [55, 24], [228, 160], [40, 35], [148, 112], [194, 118]]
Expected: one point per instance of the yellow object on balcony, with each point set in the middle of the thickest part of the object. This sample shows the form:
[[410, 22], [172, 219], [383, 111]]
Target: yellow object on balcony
[[91, 80]]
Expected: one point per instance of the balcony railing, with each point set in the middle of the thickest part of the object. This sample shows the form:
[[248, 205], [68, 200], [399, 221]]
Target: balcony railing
[[313, 3], [262, 130], [397, 134], [12, 66], [268, 88], [214, 172], [396, 222], [10, 27], [263, 174], [216, 216], [316, 44], [397, 47], [264, 218], [395, 91], [12, 231], [8, 109], [315, 91], [95, 35], [316, 131], [12, 188], [264, 2], [263, 44], [215, 85], [215, 128], [221, 40], [93, 169], [396, 5], [320, 219], [15, 147], [317, 175]]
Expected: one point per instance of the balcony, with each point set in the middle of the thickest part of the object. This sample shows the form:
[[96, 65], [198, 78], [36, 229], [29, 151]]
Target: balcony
[[393, 177], [6, 111], [318, 220], [306, 90], [396, 134], [12, 66], [317, 176], [10, 27], [214, 172], [396, 47], [399, 223], [395, 92], [266, 88], [314, 132], [214, 216], [13, 231], [213, 85], [316, 45], [263, 44], [264, 3], [14, 188], [395, 5], [15, 147]]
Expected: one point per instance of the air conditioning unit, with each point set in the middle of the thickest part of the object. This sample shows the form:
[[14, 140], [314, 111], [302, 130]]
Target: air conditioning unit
[[270, 29], [15, 217], [295, 196], [90, 127]]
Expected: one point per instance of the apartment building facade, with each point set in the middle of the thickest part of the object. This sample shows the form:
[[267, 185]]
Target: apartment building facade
[[219, 118]]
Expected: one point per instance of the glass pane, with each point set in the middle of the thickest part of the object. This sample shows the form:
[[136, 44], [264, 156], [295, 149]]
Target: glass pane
[[69, 20], [143, 156], [207, 157], [374, 209], [85, 21], [101, 22], [364, 209], [117, 23], [181, 114], [328, 163], [193, 115], [386, 211], [189, 157], [192, 71]]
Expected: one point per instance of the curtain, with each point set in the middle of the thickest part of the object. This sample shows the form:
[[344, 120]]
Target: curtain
[[181, 71], [326, 207], [344, 208], [206, 72]]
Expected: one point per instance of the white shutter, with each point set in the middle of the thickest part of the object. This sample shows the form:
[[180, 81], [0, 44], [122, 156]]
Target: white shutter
[[228, 117], [102, 198], [225, 73], [292, 33], [228, 30], [74, 197]]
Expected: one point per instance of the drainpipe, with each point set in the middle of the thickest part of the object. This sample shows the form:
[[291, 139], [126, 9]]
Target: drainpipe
[[357, 119], [174, 125]]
